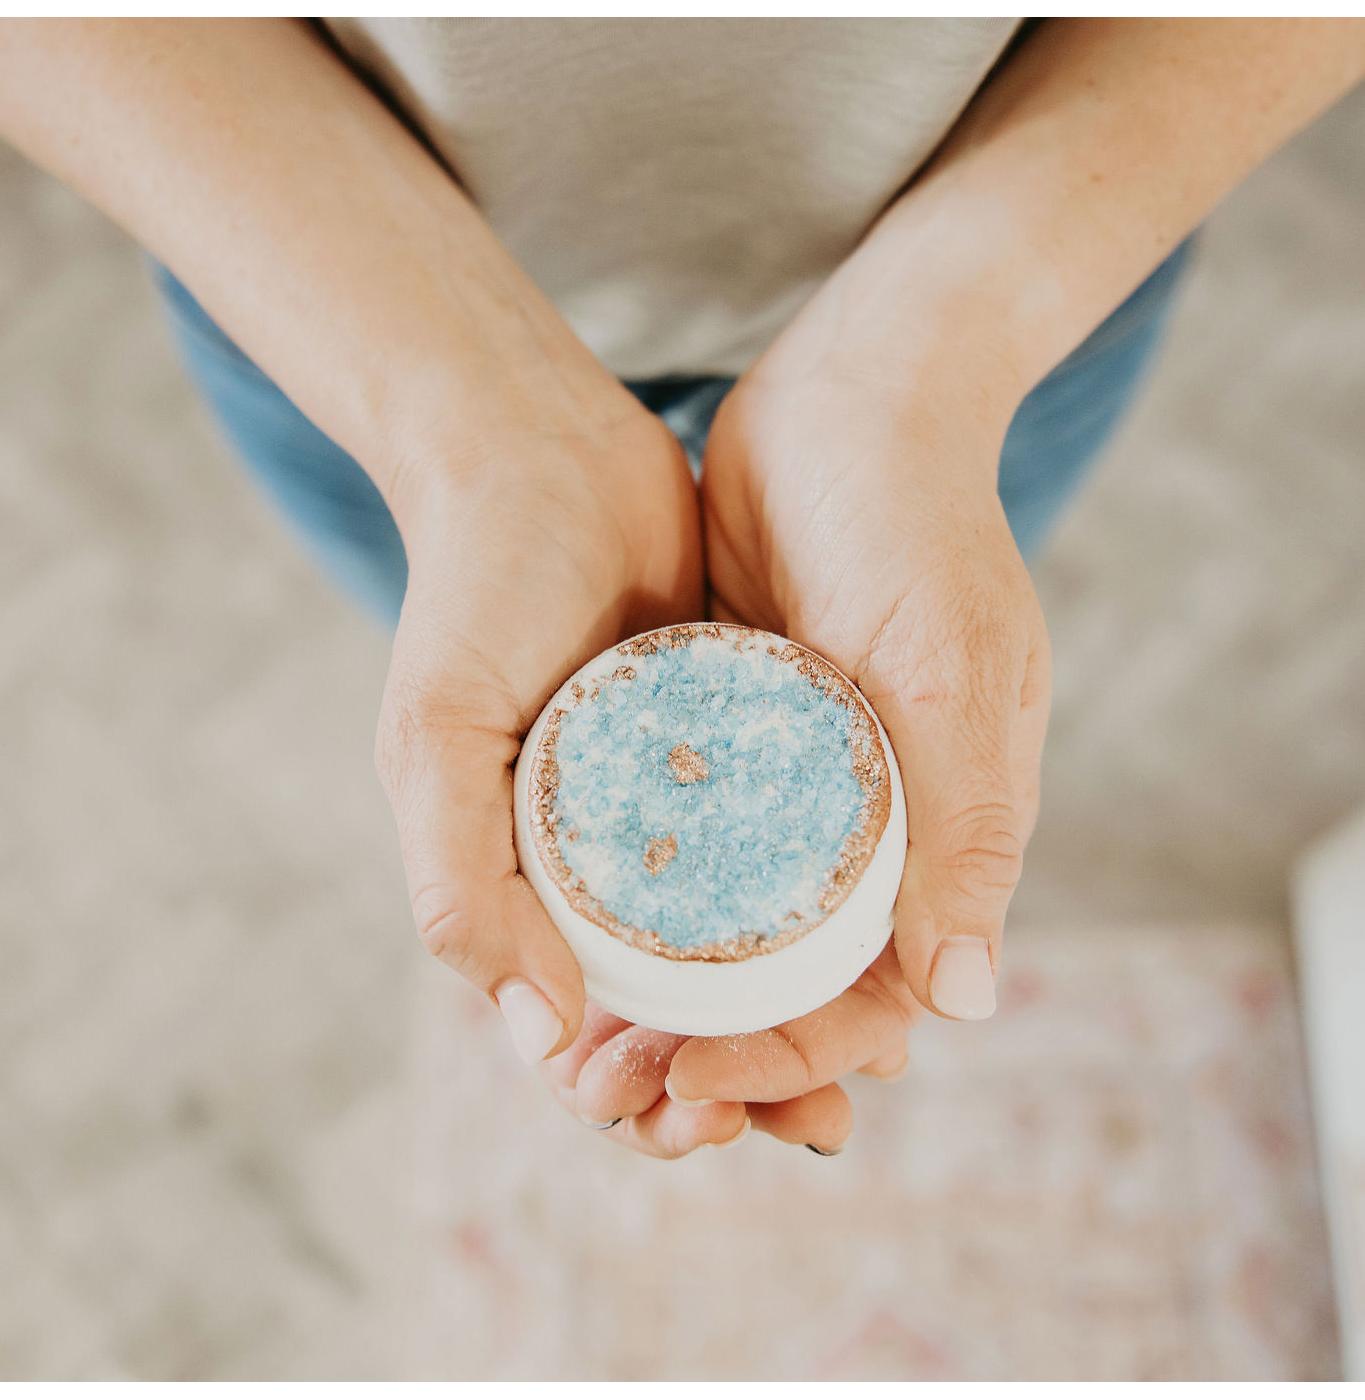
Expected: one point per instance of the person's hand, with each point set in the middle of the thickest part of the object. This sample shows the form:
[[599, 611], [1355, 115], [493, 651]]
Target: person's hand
[[855, 511], [620, 1077], [541, 540]]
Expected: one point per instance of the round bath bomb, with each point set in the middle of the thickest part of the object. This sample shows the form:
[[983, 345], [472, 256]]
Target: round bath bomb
[[713, 818]]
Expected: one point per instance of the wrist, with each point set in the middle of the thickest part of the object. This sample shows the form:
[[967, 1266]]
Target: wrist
[[500, 426], [935, 385], [607, 469], [937, 306]]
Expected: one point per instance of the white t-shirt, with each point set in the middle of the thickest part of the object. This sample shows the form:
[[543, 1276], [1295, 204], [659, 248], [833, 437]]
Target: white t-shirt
[[678, 187]]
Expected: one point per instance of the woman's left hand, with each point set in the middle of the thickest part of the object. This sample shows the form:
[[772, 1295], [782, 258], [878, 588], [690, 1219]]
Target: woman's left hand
[[861, 519]]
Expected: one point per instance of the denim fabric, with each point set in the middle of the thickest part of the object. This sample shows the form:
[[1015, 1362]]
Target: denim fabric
[[1060, 429], [338, 513]]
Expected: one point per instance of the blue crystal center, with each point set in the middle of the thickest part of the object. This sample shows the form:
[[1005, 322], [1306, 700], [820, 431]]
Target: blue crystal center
[[709, 795]]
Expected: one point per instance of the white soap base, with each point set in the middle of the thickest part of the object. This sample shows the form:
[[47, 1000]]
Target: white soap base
[[719, 998]]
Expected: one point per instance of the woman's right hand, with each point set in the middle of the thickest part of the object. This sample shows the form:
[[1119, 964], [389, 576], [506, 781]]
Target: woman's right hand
[[527, 555]]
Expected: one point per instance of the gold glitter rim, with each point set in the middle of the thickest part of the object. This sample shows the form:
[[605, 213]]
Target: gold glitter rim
[[869, 768]]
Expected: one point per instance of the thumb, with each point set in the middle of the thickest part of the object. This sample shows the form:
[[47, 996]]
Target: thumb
[[448, 776], [954, 738]]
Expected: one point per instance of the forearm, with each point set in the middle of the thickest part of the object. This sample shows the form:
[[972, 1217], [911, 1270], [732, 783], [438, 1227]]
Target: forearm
[[1097, 148], [315, 229]]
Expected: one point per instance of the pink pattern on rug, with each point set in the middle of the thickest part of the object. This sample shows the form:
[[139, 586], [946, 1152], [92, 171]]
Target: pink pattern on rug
[[1112, 1179]]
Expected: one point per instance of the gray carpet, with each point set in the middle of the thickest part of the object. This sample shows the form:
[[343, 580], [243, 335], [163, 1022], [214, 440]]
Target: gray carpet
[[206, 960]]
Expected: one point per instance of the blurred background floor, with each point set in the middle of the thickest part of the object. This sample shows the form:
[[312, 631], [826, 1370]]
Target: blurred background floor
[[215, 1041]]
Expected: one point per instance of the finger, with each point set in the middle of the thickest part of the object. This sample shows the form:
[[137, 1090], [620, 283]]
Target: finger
[[667, 1130], [890, 1066], [447, 771], [599, 1026], [867, 1021], [952, 723], [821, 1121], [625, 1075]]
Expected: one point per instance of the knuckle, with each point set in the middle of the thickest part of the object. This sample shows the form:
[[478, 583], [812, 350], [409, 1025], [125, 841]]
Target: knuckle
[[444, 925], [982, 854], [798, 1074], [890, 994]]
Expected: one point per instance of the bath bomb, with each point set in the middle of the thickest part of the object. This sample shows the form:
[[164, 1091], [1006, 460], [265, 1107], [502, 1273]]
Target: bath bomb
[[713, 817]]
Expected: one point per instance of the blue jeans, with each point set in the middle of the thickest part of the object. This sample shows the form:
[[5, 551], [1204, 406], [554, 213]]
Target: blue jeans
[[1055, 436]]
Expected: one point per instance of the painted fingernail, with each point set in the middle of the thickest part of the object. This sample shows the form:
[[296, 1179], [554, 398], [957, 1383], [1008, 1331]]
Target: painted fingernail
[[961, 981], [823, 1151], [738, 1137], [599, 1127], [533, 1023], [678, 1098]]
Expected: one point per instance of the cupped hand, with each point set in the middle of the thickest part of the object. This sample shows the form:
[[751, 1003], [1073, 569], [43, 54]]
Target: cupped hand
[[858, 515], [551, 539]]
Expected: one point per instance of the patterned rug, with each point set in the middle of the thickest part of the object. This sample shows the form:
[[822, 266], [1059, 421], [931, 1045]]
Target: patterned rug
[[1114, 1179]]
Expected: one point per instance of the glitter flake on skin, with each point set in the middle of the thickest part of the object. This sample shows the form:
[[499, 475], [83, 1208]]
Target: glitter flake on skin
[[731, 754]]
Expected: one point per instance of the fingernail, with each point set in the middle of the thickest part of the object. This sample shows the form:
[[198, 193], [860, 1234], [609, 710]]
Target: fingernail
[[678, 1098], [961, 982], [533, 1023], [599, 1127], [823, 1151], [738, 1137]]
